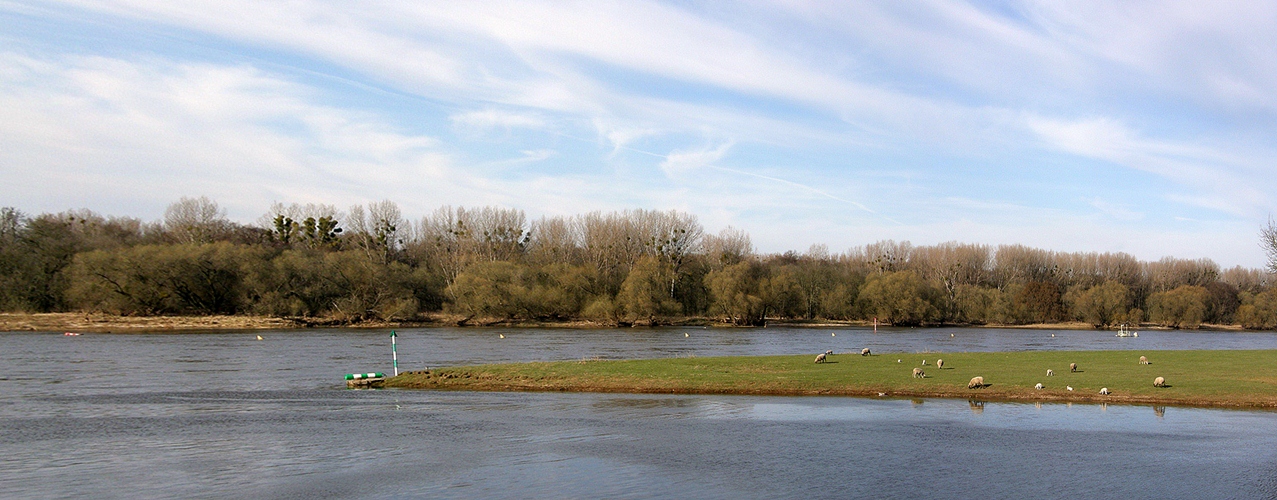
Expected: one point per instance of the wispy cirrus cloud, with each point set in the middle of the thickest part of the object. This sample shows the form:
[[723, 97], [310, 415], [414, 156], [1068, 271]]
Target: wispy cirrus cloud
[[868, 118]]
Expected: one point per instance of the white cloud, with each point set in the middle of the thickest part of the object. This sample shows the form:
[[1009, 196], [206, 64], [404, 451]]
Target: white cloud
[[1210, 178], [680, 163], [96, 130], [881, 96], [1116, 210], [494, 118]]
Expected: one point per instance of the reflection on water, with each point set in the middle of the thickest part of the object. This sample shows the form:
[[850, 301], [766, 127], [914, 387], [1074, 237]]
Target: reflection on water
[[225, 415]]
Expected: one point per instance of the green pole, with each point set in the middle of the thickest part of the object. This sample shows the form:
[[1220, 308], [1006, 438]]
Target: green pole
[[394, 351]]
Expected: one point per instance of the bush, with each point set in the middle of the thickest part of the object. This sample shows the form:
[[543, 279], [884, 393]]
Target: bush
[[899, 298], [1183, 307], [1258, 311]]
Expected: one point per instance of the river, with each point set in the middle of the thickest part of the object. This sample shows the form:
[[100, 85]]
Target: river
[[224, 415]]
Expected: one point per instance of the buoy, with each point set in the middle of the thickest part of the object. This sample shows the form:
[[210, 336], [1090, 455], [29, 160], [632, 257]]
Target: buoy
[[259, 337], [950, 334], [685, 334], [502, 335], [833, 334], [1052, 334]]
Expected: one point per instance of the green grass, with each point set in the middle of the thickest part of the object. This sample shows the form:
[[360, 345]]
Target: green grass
[[1209, 378]]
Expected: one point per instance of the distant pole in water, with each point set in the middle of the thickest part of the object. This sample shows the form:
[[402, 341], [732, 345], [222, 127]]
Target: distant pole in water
[[394, 352], [875, 324]]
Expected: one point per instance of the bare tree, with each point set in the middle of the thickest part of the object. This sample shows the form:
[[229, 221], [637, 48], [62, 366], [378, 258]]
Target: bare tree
[[376, 230], [728, 247], [195, 220], [1268, 240]]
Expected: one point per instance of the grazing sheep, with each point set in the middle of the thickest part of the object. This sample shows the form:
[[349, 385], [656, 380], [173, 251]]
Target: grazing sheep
[[939, 364], [924, 362], [1159, 382], [1143, 360], [1104, 391], [864, 352], [1069, 387], [829, 352], [1050, 372], [1073, 367], [917, 373], [976, 382], [1039, 386], [820, 358]]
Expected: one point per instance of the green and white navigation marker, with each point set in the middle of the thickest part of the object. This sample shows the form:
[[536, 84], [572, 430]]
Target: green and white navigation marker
[[394, 351]]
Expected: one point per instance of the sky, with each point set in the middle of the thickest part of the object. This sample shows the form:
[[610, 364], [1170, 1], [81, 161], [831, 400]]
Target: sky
[[1144, 127]]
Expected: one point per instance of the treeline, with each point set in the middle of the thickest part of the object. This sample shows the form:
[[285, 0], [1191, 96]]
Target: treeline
[[634, 266]]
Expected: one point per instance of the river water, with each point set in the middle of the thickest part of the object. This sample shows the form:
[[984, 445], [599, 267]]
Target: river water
[[223, 415]]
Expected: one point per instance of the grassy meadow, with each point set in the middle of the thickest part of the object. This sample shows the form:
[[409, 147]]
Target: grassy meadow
[[1200, 378]]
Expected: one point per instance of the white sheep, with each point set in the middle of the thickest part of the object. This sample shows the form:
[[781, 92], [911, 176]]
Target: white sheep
[[1039, 386], [924, 362], [1159, 382], [917, 373], [976, 382], [1073, 367], [939, 364], [1050, 372], [864, 352], [829, 352], [1143, 360], [1069, 387], [1104, 391], [820, 358]]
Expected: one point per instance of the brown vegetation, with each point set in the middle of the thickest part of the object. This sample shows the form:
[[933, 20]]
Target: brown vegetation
[[488, 265]]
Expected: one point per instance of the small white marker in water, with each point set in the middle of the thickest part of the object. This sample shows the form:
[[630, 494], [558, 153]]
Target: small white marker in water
[[950, 334], [501, 334], [685, 334], [833, 334], [259, 337]]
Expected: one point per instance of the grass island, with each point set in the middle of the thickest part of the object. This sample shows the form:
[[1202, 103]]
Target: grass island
[[1233, 378]]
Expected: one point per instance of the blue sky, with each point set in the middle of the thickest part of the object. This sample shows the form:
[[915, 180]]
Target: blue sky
[[1140, 127]]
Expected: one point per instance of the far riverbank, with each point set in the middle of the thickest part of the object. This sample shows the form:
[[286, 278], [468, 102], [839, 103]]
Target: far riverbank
[[97, 322]]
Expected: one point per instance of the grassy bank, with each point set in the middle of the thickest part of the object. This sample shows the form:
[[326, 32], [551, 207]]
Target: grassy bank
[[1198, 378]]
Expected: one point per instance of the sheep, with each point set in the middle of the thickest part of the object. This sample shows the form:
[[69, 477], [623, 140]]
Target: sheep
[[829, 352], [1143, 360], [1104, 391], [820, 358], [924, 362], [1159, 382], [1050, 372], [1069, 387], [864, 352], [939, 364], [917, 373], [976, 382], [1073, 367], [1039, 386]]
